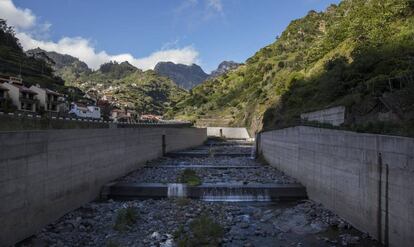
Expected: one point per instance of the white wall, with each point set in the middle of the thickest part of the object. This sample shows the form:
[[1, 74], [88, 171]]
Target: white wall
[[228, 132], [41, 96], [14, 94]]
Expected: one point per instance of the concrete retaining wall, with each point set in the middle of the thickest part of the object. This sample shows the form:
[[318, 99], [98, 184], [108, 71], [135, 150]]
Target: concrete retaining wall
[[45, 174], [341, 170], [334, 116], [228, 132]]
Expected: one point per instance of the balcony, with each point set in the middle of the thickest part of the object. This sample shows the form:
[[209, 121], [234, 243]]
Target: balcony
[[2, 102], [52, 102], [28, 100]]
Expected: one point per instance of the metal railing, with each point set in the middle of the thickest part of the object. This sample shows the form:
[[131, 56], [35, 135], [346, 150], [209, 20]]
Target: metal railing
[[34, 116]]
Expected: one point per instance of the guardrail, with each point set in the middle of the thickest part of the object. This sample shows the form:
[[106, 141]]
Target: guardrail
[[21, 121]]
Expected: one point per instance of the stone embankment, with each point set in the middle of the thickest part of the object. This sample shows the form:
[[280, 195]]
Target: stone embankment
[[175, 221]]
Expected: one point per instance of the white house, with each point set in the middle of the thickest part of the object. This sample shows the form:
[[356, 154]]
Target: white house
[[3, 96], [22, 97], [48, 100], [83, 111]]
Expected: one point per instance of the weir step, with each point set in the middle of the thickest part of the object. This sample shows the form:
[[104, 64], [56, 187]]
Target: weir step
[[226, 144], [204, 154], [205, 166], [207, 192]]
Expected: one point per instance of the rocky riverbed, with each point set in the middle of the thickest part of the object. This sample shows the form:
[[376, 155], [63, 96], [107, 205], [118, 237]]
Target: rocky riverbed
[[206, 161], [259, 174], [240, 149], [157, 222], [185, 222]]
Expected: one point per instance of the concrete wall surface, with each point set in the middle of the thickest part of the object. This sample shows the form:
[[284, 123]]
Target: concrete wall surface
[[333, 115], [342, 170], [228, 132], [45, 174]]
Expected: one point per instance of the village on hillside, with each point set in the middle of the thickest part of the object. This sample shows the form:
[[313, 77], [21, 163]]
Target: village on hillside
[[16, 97]]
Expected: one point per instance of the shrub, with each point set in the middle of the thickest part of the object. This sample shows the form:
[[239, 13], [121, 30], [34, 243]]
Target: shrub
[[125, 218], [182, 201], [112, 243], [203, 231], [189, 177]]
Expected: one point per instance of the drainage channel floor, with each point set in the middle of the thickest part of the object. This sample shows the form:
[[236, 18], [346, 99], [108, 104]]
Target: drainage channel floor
[[175, 221]]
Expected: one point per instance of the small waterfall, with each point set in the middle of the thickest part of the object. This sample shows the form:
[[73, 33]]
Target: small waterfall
[[211, 151], [253, 152], [236, 195], [177, 190]]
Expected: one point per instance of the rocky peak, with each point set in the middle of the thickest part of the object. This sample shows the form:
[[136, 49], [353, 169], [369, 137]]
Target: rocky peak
[[59, 61], [186, 76], [224, 67]]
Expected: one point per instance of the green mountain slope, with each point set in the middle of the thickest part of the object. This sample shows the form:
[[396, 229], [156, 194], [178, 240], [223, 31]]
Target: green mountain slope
[[343, 56], [126, 86], [123, 84]]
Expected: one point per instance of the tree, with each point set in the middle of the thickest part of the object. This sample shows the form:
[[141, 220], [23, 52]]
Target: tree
[[7, 35]]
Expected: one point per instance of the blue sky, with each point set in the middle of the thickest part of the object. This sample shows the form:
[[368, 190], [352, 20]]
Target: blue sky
[[147, 31]]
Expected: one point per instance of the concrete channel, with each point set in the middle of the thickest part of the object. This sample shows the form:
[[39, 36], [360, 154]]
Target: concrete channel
[[254, 203], [223, 191]]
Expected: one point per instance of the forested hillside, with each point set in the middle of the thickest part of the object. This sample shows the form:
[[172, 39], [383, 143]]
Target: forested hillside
[[351, 54], [14, 62]]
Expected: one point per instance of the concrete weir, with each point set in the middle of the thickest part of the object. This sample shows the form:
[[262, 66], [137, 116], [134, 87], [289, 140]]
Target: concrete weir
[[220, 167], [208, 192], [191, 154]]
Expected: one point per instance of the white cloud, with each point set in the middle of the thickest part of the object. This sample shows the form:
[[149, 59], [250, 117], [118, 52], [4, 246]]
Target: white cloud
[[83, 49], [207, 9], [17, 17], [187, 55], [27, 31], [216, 5]]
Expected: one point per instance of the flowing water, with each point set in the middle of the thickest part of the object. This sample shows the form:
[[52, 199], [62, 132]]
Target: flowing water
[[253, 152], [177, 190], [236, 195]]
